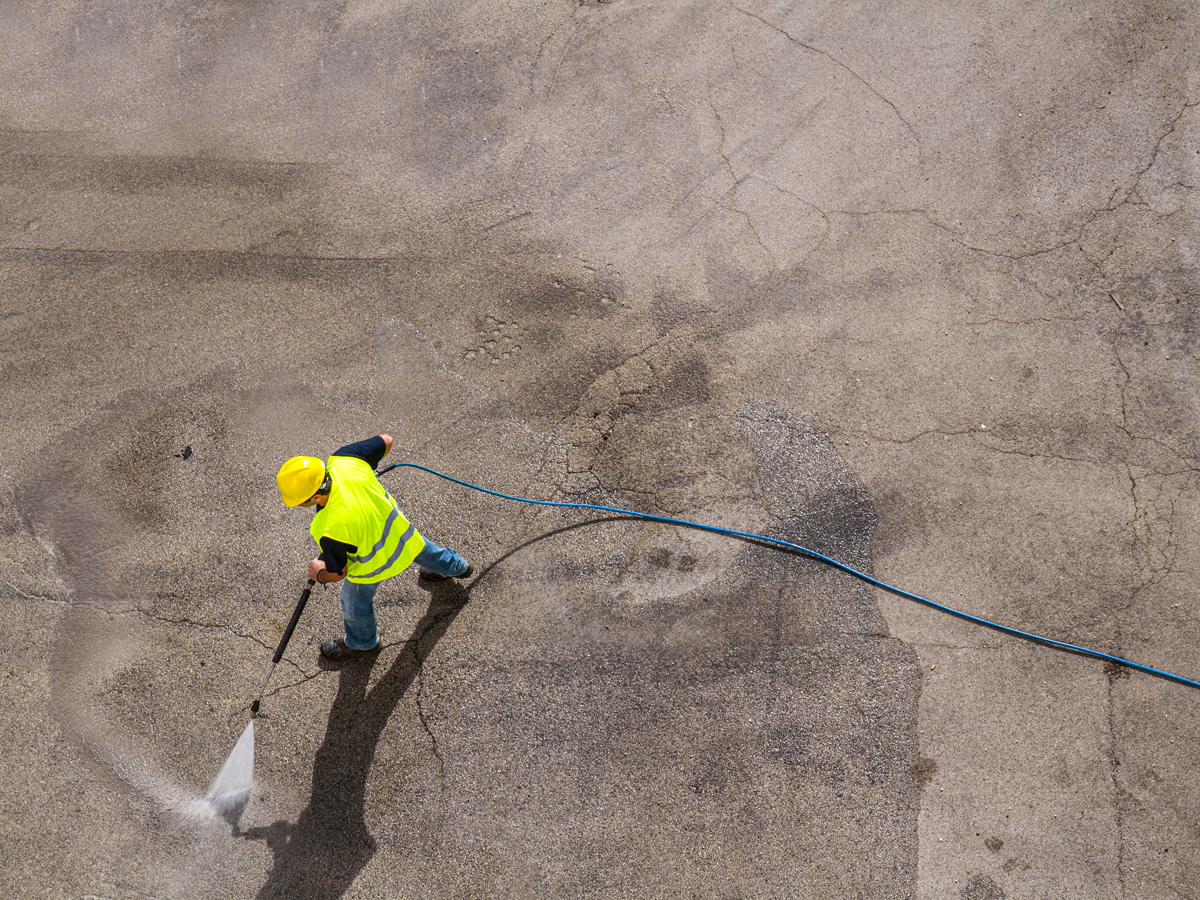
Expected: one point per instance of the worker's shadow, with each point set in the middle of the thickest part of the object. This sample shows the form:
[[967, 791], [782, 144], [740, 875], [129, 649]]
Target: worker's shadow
[[321, 855]]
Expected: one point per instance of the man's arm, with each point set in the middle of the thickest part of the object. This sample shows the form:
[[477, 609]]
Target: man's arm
[[330, 566], [321, 575]]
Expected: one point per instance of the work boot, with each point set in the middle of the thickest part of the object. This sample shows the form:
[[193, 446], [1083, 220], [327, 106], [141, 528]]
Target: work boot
[[426, 575], [337, 651]]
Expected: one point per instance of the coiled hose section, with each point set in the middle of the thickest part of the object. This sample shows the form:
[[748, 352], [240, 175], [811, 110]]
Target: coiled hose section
[[778, 543]]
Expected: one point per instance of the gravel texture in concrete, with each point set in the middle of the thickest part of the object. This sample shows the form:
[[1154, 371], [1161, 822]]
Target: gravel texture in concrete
[[912, 284]]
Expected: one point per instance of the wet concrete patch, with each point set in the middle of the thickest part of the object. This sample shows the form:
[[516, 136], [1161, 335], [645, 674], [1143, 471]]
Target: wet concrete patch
[[751, 702]]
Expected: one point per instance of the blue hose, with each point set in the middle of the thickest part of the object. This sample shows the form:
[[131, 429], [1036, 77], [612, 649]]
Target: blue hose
[[778, 543]]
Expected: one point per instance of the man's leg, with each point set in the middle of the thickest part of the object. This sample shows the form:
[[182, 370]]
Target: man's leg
[[358, 611], [439, 563]]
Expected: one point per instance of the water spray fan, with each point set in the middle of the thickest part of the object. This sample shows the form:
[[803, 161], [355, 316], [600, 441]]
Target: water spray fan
[[231, 788]]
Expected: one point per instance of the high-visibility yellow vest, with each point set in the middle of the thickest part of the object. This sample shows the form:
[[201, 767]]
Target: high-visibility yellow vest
[[361, 512]]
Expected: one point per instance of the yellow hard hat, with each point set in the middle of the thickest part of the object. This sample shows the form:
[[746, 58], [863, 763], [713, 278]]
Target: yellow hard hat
[[299, 478]]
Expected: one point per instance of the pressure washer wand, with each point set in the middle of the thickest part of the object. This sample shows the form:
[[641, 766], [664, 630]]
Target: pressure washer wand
[[283, 642]]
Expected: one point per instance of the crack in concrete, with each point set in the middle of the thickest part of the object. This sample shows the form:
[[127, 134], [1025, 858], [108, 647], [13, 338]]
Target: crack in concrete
[[193, 624], [866, 436], [1133, 190], [1017, 257], [837, 62], [1152, 496], [1167, 132], [1154, 546], [1153, 541], [720, 201], [36, 597], [184, 622], [305, 677], [825, 220], [1075, 238], [757, 237], [1020, 323], [738, 180], [610, 395], [1114, 763], [419, 698], [953, 433], [880, 439], [699, 184]]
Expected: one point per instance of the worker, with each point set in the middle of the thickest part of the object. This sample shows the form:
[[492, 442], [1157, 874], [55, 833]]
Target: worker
[[363, 536]]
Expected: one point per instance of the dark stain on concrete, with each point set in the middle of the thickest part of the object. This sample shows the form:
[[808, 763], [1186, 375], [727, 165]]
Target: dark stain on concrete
[[980, 887], [251, 181], [686, 382], [924, 770], [565, 295], [669, 311]]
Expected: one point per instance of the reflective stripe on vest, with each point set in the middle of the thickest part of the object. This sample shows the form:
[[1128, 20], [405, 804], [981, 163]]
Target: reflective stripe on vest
[[362, 513]]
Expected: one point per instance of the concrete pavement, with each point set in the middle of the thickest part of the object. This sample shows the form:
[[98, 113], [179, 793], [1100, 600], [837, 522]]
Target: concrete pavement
[[913, 285]]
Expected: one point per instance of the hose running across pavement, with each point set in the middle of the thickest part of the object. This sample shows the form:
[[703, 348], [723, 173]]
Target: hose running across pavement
[[779, 543]]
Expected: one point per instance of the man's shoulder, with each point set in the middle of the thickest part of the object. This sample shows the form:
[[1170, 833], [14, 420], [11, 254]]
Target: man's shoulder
[[369, 451], [350, 464]]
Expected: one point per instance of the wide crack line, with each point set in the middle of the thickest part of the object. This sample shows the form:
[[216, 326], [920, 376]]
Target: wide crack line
[[419, 696], [184, 622], [421, 714]]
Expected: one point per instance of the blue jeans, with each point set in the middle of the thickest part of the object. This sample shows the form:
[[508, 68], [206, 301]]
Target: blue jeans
[[358, 600]]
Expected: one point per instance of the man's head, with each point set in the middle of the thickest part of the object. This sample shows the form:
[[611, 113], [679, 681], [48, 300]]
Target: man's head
[[303, 481]]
